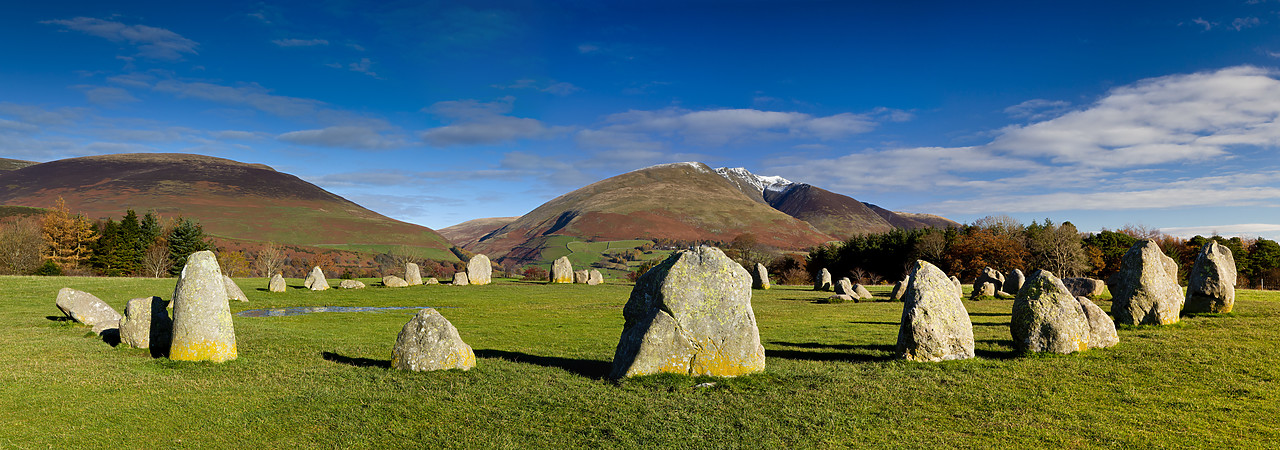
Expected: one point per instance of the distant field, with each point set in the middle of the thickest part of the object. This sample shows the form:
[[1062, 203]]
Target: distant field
[[425, 252], [322, 380], [583, 254]]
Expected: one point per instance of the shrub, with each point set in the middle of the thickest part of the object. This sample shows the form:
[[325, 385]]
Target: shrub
[[49, 269], [534, 273], [633, 276]]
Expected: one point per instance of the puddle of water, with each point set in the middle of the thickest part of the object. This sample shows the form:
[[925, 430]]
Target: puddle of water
[[298, 311]]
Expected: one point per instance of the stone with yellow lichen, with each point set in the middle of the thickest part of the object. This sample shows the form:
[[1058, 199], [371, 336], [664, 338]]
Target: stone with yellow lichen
[[1145, 291], [1047, 318], [690, 315], [935, 325], [479, 270], [562, 270], [430, 342], [202, 326], [760, 277]]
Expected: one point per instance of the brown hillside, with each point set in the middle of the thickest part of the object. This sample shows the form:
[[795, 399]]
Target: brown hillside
[[837, 215], [7, 164], [230, 199], [912, 221], [679, 201], [467, 234]]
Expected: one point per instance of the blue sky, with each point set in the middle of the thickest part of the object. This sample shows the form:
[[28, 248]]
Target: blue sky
[[1162, 114]]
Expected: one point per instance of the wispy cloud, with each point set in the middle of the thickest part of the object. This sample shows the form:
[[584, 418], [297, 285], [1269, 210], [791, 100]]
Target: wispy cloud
[[638, 128], [1241, 23], [364, 65], [299, 42], [474, 122], [1264, 230], [106, 95], [1038, 109], [1204, 23], [355, 137], [151, 42], [551, 87]]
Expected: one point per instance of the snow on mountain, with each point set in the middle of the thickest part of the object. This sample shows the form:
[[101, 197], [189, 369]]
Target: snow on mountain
[[758, 182]]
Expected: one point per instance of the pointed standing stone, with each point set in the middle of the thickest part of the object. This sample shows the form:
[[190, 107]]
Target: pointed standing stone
[[233, 290], [430, 342], [1212, 287], [88, 309], [760, 277], [861, 291], [899, 289], [479, 270], [1145, 291], [1047, 318], [315, 281], [276, 284], [845, 287], [146, 324], [202, 326], [412, 274], [823, 282], [562, 271], [935, 325]]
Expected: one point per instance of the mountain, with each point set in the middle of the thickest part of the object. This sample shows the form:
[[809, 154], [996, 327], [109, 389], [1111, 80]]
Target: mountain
[[468, 233], [837, 215], [230, 199], [7, 164], [684, 201], [751, 184], [913, 221]]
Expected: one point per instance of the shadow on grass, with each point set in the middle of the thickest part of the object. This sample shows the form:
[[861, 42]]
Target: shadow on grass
[[356, 362], [1006, 350], [111, 336], [990, 324], [876, 323], [990, 314], [58, 318], [833, 355], [590, 368]]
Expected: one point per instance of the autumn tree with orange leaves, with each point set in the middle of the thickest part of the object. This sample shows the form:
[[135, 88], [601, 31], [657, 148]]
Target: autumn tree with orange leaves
[[67, 238]]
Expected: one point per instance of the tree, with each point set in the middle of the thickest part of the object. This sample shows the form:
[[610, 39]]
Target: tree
[[1264, 259], [20, 246], [1057, 248], [155, 261], [67, 238], [269, 261], [1111, 246], [985, 247], [187, 237], [233, 264]]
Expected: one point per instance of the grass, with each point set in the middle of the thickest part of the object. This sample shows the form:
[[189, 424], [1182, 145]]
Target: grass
[[582, 254], [422, 252], [322, 380]]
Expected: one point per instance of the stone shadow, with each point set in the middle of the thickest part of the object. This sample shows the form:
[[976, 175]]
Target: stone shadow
[[1006, 351], [845, 352], [111, 336], [990, 314], [356, 362], [875, 323], [590, 368], [58, 318], [990, 324]]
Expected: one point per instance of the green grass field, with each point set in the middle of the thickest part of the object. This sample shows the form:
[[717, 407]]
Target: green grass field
[[582, 254], [322, 380]]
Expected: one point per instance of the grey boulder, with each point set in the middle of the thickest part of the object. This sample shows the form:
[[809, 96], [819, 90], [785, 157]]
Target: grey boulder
[[1145, 291], [430, 342], [276, 284], [562, 270], [935, 325], [760, 277], [202, 325], [823, 281], [460, 279], [394, 281], [1102, 330], [412, 274], [580, 276], [146, 324], [1085, 287], [1013, 282], [351, 284], [1212, 285], [479, 270], [233, 290], [861, 291], [315, 280], [88, 309], [1047, 318], [594, 277]]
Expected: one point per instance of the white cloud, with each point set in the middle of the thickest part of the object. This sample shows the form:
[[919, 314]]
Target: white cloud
[[551, 87], [722, 126], [1181, 197], [477, 123], [1245, 22], [1265, 230], [1038, 109], [357, 137], [107, 96], [299, 42], [1204, 23], [154, 43]]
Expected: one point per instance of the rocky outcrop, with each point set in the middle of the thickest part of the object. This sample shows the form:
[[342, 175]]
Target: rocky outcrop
[[1212, 284], [935, 325]]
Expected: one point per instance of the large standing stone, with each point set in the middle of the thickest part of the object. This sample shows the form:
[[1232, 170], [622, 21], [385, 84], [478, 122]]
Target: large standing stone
[[1014, 281], [1212, 287], [233, 290], [1085, 287], [1102, 330], [202, 327], [460, 279], [276, 284], [430, 342], [1145, 291], [861, 291], [594, 278], [690, 315], [88, 309], [479, 270], [899, 289], [412, 274], [562, 270], [146, 324], [394, 281], [935, 325], [1047, 318], [760, 277], [580, 276], [351, 284], [845, 287], [823, 281], [315, 281]]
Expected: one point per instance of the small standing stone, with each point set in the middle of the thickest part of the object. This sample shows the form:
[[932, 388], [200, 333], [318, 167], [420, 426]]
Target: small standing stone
[[430, 342], [394, 281], [935, 324], [594, 278], [899, 289], [233, 290], [1047, 318], [845, 287], [351, 284], [1014, 282], [562, 270], [861, 291], [88, 309], [1102, 330], [316, 281], [276, 284], [202, 325], [760, 277], [146, 324], [580, 276], [460, 279], [412, 274], [431, 280], [986, 289], [1212, 287], [479, 270], [823, 282]]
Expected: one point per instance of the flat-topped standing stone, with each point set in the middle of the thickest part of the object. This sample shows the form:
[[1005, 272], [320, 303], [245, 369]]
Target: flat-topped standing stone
[[580, 276], [845, 287], [690, 315], [394, 281], [1013, 282], [460, 279], [1047, 318], [276, 284], [562, 270], [202, 326], [1102, 330], [479, 270], [233, 290], [146, 324], [861, 291], [760, 277], [351, 284], [430, 342], [412, 274], [899, 289], [1086, 287], [594, 277], [316, 281], [935, 325], [1212, 287], [1145, 291], [823, 281], [431, 280], [85, 308]]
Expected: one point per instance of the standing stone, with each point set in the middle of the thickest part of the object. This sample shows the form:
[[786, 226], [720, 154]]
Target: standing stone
[[88, 309], [1102, 330], [760, 277], [1086, 287], [899, 289], [690, 315], [580, 276], [479, 270], [202, 327], [562, 270], [594, 278], [861, 291], [412, 274], [1145, 291], [233, 290], [460, 279], [1212, 288], [394, 281], [1013, 283], [430, 342], [1047, 318], [431, 280], [146, 324], [315, 281], [935, 325], [823, 281], [992, 276], [956, 281], [276, 284], [845, 287], [986, 289], [351, 284]]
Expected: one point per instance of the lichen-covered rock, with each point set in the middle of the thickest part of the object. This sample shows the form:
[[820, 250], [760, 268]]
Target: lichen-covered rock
[[1212, 287], [760, 277], [1145, 291], [840, 298], [202, 326], [276, 284], [956, 281], [1013, 282], [146, 324], [985, 289], [562, 270], [460, 279], [431, 280], [233, 290], [479, 270], [992, 276], [861, 291], [935, 324], [580, 276], [430, 342], [1086, 287], [594, 278], [1047, 318], [315, 280], [412, 274], [394, 281], [88, 309], [899, 289], [1102, 330], [351, 284], [845, 287], [823, 281], [690, 315]]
